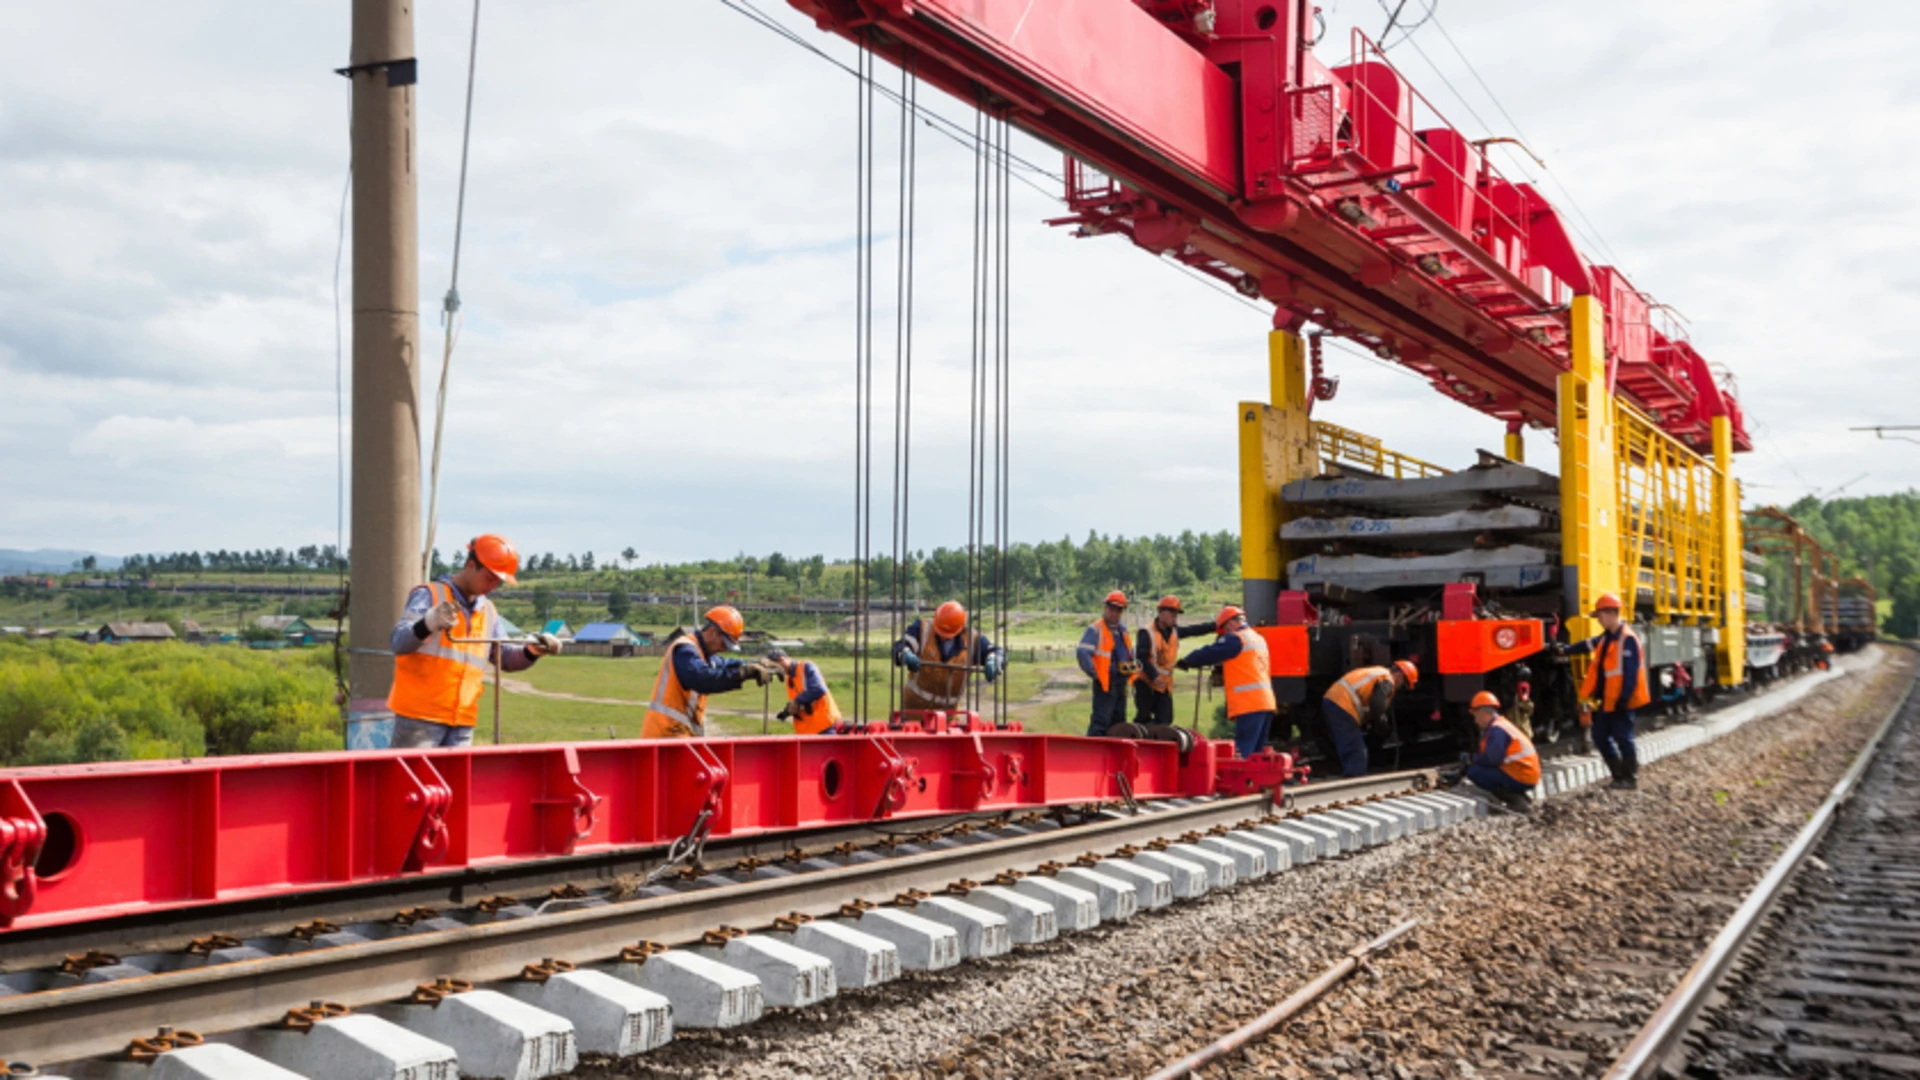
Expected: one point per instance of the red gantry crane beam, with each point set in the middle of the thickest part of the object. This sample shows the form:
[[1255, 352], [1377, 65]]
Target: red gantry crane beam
[[1208, 131]]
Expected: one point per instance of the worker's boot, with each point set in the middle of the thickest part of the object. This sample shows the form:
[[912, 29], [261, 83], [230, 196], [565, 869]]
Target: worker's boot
[[1630, 771], [1518, 802], [1613, 767]]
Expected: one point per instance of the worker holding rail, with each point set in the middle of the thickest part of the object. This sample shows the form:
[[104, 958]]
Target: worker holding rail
[[693, 668], [446, 639], [1362, 698], [810, 703], [1157, 646], [938, 653], [1507, 766], [1617, 680], [1241, 654], [1106, 656]]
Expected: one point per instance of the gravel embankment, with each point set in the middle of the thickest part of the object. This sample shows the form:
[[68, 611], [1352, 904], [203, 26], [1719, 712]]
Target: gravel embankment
[[1545, 941]]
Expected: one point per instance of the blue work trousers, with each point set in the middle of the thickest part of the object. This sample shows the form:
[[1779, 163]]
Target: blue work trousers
[[1109, 707], [425, 734], [1250, 732], [1488, 778], [1348, 742], [1613, 735]]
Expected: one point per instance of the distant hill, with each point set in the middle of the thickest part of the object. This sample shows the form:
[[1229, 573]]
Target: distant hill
[[50, 560]]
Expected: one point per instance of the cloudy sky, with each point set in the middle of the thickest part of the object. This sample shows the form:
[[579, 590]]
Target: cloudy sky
[[659, 270]]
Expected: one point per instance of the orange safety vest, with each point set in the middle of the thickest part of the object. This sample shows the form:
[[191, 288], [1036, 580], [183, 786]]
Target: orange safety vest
[[674, 711], [938, 687], [1607, 660], [1522, 761], [1249, 677], [441, 680], [1103, 656], [822, 713], [1166, 652], [1353, 690]]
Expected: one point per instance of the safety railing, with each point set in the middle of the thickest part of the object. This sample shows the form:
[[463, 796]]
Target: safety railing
[[1337, 445], [1668, 531]]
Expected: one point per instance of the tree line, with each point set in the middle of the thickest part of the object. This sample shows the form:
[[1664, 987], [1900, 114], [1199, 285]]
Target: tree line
[[1876, 537]]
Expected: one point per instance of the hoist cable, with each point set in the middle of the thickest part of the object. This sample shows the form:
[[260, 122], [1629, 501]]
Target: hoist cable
[[450, 308], [861, 296], [1006, 399], [902, 371]]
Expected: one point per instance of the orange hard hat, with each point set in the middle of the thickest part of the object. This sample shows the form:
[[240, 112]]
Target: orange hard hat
[[1117, 598], [1406, 668], [726, 619], [1227, 615], [1484, 700], [950, 619], [1606, 601], [496, 553], [1171, 603]]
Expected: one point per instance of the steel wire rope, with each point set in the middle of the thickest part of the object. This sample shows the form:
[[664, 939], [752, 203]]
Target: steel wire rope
[[973, 378], [862, 342], [1004, 483], [450, 307], [340, 433], [903, 371]]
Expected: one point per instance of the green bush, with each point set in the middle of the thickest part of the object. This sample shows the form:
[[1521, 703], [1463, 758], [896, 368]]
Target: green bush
[[63, 701]]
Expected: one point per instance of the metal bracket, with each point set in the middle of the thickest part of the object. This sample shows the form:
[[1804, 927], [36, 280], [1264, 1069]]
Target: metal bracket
[[22, 835], [404, 72]]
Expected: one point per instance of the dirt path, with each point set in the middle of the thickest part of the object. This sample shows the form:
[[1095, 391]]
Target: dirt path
[[1545, 941]]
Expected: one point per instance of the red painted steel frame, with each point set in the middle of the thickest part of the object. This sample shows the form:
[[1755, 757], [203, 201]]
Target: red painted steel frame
[[122, 838], [1339, 194]]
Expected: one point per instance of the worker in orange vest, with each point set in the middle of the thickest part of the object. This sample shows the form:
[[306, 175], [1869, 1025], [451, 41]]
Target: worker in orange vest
[[810, 703], [1361, 699], [1507, 766], [1617, 680], [937, 654], [694, 668], [1241, 654], [447, 638], [1157, 646], [1106, 656]]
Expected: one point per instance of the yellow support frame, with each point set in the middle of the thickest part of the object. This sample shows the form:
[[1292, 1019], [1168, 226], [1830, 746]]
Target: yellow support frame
[[1731, 650], [1669, 536], [1336, 445], [1589, 502], [1276, 448]]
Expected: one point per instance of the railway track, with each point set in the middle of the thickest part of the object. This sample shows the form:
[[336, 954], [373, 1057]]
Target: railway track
[[1817, 973], [521, 986]]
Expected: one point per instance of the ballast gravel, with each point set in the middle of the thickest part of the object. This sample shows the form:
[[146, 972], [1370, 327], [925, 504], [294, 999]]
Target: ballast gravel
[[1544, 942]]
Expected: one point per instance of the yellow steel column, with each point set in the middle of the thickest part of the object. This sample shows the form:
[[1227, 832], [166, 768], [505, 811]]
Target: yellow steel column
[[1516, 443], [1589, 501], [1731, 653], [1276, 448]]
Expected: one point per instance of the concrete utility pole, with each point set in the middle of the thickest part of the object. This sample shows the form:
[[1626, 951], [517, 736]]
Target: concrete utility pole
[[386, 341]]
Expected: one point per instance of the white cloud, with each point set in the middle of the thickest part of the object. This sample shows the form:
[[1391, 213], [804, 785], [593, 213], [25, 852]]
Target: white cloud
[[658, 272]]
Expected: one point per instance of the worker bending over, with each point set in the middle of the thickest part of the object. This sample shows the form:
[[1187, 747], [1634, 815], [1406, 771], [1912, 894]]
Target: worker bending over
[[1507, 766], [443, 644], [1106, 656], [938, 653], [1242, 656], [1361, 699], [1157, 647], [810, 704], [1617, 678], [690, 671]]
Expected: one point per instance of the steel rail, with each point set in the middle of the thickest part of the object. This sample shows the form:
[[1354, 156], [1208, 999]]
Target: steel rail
[[1644, 1056], [1294, 1003], [98, 1018]]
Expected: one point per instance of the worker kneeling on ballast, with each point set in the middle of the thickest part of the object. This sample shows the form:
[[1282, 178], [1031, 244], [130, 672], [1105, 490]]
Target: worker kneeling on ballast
[[1241, 654], [1507, 766], [939, 653], [694, 668], [810, 704], [443, 644]]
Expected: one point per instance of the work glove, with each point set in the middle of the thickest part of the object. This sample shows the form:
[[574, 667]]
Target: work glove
[[543, 645], [755, 672], [993, 665], [1131, 667], [786, 713], [1183, 664], [442, 616], [1559, 648], [910, 660]]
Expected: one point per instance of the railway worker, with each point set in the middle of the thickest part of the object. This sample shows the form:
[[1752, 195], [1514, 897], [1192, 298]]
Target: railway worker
[[1106, 656], [1157, 646], [810, 704], [694, 668], [1362, 698], [1242, 654], [1507, 766], [938, 653], [441, 652], [1617, 678]]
